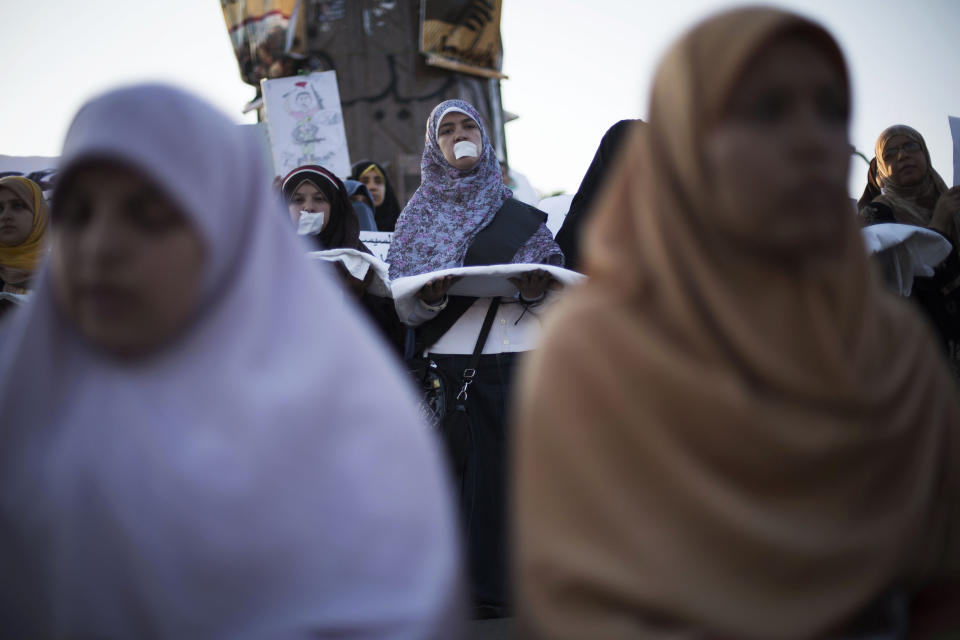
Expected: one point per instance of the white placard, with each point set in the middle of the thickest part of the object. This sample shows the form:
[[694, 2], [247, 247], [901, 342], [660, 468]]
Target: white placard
[[955, 132], [378, 242], [305, 121]]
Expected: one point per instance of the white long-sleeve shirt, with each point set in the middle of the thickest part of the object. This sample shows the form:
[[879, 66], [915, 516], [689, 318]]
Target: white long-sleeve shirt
[[512, 330]]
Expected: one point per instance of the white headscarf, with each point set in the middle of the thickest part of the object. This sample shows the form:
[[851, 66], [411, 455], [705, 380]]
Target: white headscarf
[[241, 482]]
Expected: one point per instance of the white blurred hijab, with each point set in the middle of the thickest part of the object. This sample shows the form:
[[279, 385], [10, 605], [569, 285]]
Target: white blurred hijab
[[239, 483]]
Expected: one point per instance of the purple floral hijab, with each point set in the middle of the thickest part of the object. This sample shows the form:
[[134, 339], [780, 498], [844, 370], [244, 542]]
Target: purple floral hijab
[[450, 208]]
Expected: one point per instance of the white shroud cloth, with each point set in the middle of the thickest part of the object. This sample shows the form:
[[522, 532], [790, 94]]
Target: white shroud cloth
[[904, 252]]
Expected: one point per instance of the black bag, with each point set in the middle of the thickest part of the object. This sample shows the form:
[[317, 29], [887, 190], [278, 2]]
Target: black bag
[[435, 390], [443, 401]]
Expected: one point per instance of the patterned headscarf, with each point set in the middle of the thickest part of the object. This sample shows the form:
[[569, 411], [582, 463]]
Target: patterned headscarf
[[451, 207], [18, 263], [252, 408]]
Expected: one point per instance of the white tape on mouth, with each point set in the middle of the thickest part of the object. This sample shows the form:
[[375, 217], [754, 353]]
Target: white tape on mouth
[[465, 149], [310, 223]]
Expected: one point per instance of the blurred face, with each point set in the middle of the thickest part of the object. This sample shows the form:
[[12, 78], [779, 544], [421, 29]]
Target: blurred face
[[16, 219], [359, 197], [904, 160], [779, 155], [458, 127], [127, 264], [307, 197], [374, 182]]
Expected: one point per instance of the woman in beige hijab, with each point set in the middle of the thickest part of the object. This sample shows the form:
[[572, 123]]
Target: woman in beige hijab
[[23, 228], [732, 431], [912, 192]]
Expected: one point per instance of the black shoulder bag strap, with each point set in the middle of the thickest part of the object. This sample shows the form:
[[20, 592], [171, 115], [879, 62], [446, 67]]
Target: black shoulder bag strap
[[471, 371], [456, 428], [509, 230], [497, 243], [431, 331]]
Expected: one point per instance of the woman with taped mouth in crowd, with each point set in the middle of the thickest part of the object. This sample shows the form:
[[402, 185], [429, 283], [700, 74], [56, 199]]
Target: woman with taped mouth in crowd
[[319, 206], [463, 215], [732, 430], [912, 192], [189, 446]]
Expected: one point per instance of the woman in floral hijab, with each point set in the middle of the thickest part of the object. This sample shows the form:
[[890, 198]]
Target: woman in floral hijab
[[460, 194]]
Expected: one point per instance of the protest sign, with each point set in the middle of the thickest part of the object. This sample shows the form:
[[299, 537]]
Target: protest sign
[[305, 121], [377, 241]]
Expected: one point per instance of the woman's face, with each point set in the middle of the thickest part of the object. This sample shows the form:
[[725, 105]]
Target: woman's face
[[904, 160], [779, 156], [127, 264], [359, 197], [307, 197], [16, 219], [458, 127], [374, 182]]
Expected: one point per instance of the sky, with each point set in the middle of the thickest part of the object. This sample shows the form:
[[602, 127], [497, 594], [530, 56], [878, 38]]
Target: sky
[[575, 68]]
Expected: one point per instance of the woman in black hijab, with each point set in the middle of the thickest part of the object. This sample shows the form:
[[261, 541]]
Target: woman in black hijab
[[569, 235], [318, 204], [375, 178]]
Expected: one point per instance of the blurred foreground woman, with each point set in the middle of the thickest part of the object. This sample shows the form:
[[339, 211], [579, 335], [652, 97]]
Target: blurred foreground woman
[[751, 439], [185, 452]]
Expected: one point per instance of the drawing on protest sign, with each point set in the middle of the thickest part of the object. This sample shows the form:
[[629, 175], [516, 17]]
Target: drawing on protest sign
[[955, 132], [305, 121]]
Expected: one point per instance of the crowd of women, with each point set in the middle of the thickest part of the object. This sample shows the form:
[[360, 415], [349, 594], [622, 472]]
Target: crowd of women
[[731, 429]]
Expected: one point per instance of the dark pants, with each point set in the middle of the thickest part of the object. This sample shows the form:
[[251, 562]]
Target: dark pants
[[483, 492]]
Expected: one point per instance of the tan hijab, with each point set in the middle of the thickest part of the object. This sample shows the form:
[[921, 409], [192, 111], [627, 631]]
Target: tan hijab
[[18, 263], [713, 440], [910, 205]]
